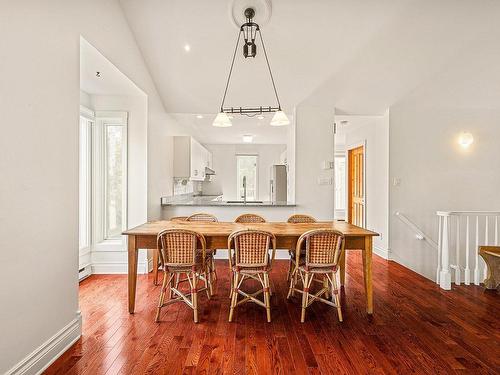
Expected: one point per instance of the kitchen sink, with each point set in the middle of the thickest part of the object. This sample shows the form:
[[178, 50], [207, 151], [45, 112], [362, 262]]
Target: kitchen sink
[[243, 202]]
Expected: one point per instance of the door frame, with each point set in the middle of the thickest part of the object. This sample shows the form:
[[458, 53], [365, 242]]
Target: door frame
[[348, 148]]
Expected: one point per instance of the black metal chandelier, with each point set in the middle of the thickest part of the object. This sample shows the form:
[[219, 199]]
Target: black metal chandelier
[[249, 30]]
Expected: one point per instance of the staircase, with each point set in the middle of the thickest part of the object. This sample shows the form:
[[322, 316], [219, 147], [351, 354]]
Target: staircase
[[460, 233]]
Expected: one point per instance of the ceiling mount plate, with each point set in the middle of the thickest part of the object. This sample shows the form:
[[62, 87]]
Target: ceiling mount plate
[[262, 10]]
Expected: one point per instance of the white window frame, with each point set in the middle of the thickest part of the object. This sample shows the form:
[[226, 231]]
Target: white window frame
[[256, 175], [86, 122], [103, 119]]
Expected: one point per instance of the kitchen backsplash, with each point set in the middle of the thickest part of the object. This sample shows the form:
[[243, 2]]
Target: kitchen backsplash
[[185, 186]]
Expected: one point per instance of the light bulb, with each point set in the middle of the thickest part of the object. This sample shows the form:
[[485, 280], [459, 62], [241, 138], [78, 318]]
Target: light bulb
[[465, 139]]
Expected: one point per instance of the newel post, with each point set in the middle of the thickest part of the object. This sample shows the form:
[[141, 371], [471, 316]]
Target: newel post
[[445, 275]]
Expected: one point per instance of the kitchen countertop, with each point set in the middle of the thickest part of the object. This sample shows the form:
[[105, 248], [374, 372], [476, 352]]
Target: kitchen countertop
[[211, 200]]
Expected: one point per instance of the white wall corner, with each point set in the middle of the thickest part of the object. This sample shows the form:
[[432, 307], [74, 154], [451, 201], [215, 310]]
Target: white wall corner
[[42, 357], [382, 252]]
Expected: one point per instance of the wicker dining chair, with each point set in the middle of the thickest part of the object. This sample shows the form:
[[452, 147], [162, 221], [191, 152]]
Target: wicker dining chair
[[180, 255], [249, 218], [207, 218], [297, 219], [324, 248], [156, 253], [250, 258]]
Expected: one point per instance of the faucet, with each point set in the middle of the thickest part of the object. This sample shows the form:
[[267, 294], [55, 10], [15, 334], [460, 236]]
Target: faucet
[[244, 189]]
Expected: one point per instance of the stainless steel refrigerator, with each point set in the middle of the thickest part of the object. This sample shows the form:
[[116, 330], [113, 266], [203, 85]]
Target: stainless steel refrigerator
[[278, 184]]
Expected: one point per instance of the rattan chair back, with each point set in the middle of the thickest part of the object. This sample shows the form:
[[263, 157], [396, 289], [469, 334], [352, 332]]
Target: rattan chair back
[[323, 247], [301, 218], [203, 217], [178, 247], [251, 248], [250, 218]]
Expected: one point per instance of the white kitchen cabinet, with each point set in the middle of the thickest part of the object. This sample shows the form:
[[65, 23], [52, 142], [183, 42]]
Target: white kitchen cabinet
[[190, 158]]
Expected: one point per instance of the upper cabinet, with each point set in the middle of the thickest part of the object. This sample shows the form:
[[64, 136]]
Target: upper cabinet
[[190, 158]]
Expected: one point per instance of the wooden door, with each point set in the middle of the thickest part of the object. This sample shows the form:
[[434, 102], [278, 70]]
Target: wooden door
[[356, 187]]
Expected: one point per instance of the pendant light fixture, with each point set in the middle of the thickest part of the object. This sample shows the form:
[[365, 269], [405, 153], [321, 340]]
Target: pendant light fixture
[[249, 30]]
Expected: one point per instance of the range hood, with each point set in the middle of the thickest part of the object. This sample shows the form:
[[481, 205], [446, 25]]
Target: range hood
[[209, 171]]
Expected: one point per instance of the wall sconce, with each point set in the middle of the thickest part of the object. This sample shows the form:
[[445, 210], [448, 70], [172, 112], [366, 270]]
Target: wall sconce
[[465, 139]]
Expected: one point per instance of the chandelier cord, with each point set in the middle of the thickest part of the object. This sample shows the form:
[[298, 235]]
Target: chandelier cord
[[269, 67], [231, 71]]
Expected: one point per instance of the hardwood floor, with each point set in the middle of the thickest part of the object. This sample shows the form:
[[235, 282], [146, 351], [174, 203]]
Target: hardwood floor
[[416, 328]]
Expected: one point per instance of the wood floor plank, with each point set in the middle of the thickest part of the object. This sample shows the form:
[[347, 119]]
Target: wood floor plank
[[416, 328]]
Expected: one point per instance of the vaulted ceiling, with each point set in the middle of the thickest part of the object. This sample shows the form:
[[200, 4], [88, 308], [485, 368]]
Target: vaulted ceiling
[[358, 56]]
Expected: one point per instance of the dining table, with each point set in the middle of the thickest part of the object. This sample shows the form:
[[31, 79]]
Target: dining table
[[216, 235]]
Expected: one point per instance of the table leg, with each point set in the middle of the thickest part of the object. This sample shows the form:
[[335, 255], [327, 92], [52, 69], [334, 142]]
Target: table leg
[[342, 269], [132, 272], [367, 273]]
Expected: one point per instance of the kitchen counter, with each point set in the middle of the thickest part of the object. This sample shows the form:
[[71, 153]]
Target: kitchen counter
[[214, 200]]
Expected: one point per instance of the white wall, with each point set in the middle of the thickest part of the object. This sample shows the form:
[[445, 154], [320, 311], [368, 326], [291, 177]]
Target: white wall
[[224, 164], [374, 134], [435, 173], [313, 145], [39, 107]]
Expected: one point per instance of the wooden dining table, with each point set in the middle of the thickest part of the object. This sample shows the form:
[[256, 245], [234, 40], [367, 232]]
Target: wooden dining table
[[216, 236]]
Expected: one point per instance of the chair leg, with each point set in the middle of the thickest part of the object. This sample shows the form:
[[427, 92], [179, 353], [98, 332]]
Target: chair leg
[[156, 261], [336, 296], [234, 297], [289, 273], [305, 297], [325, 285], [214, 271], [231, 281], [194, 295], [208, 283], [162, 296], [291, 284], [267, 300]]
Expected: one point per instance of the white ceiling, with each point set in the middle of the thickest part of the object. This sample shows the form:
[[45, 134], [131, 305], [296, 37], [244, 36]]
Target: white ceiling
[[357, 56], [204, 132], [306, 42], [111, 81]]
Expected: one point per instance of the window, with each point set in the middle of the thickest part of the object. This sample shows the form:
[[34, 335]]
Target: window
[[113, 180], [340, 183], [109, 178], [247, 169]]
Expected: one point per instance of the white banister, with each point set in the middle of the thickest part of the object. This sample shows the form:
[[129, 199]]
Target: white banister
[[444, 275], [450, 236], [467, 252]]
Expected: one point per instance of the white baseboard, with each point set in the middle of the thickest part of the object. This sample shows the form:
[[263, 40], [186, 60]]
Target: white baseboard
[[280, 254], [36, 362], [381, 252], [115, 268]]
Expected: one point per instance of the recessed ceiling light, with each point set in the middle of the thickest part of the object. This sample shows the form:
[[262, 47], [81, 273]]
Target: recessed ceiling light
[[199, 116], [260, 117], [187, 47], [248, 138]]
